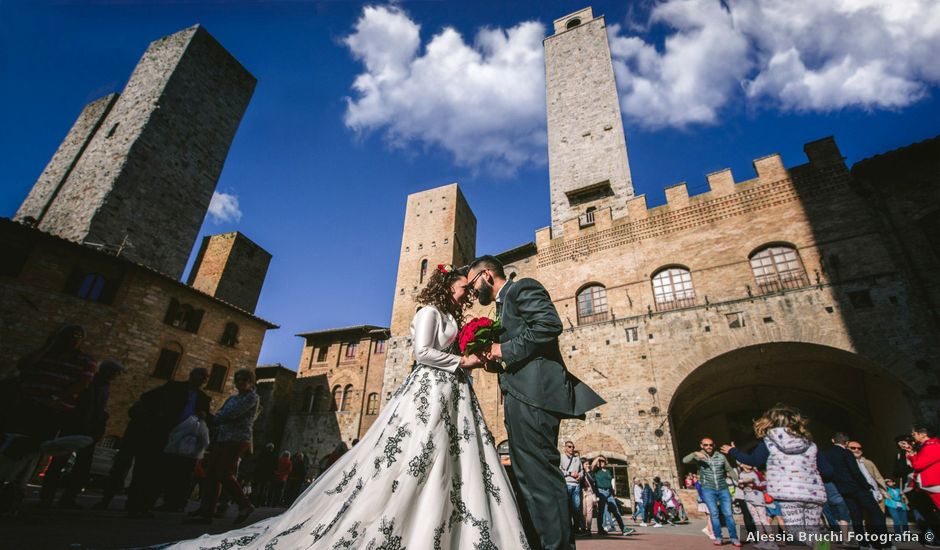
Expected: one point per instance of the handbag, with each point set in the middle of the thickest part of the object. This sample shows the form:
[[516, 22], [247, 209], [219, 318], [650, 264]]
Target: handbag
[[768, 499]]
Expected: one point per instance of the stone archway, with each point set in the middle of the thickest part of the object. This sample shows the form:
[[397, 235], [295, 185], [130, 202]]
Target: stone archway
[[837, 389]]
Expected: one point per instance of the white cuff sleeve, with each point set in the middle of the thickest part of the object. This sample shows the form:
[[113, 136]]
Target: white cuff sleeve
[[426, 327]]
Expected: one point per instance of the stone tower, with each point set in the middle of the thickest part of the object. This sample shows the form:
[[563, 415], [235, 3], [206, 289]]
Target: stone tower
[[439, 228], [139, 169], [587, 151], [232, 268]]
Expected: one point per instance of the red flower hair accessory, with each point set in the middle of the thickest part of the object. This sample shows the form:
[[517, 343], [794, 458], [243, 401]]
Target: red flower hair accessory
[[445, 268]]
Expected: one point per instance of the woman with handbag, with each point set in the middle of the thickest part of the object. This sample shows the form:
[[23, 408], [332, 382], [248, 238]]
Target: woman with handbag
[[588, 496]]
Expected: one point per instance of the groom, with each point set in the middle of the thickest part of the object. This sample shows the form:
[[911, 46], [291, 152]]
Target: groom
[[538, 392]]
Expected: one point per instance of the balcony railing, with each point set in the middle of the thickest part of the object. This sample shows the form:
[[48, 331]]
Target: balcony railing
[[598, 317], [783, 281], [676, 303]]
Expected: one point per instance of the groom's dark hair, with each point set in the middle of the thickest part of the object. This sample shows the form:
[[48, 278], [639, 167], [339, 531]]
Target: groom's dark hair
[[491, 263]]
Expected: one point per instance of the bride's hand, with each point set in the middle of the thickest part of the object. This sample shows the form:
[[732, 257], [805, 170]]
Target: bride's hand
[[471, 362]]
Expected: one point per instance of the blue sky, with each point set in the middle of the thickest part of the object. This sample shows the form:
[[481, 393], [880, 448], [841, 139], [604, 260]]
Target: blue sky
[[357, 106]]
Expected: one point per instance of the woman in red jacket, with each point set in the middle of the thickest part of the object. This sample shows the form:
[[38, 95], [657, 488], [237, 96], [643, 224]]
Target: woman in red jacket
[[926, 461]]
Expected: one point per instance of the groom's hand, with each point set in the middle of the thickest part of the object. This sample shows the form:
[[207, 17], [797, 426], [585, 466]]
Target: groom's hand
[[496, 352]]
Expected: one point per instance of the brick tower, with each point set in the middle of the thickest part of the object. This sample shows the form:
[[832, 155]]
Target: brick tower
[[139, 169], [439, 228], [587, 151], [231, 268]]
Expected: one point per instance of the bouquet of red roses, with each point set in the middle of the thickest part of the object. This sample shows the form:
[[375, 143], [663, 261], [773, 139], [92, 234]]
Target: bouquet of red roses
[[478, 335]]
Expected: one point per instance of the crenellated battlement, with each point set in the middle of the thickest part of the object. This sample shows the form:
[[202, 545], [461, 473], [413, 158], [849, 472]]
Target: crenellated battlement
[[725, 197]]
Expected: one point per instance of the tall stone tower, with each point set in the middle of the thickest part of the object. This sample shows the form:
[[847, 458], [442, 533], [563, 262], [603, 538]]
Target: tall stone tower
[[232, 268], [439, 228], [140, 168], [587, 151]]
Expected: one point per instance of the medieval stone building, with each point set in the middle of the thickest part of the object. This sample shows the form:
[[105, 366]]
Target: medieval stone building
[[337, 393], [103, 237], [805, 283]]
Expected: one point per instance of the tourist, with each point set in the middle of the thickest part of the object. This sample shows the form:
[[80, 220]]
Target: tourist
[[186, 444], [265, 465], [689, 481], [794, 467], [235, 420], [753, 486], [659, 510], [159, 411], [49, 383], [855, 489], [281, 473], [571, 469], [924, 513], [87, 418], [588, 496], [895, 506], [638, 505], [868, 468], [712, 469], [648, 498], [296, 481], [606, 495], [926, 461]]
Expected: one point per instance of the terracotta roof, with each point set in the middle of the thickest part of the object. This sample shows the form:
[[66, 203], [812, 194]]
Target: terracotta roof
[[365, 329], [17, 226]]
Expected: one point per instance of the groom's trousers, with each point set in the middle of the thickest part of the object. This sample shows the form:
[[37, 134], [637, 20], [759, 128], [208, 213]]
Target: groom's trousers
[[537, 480]]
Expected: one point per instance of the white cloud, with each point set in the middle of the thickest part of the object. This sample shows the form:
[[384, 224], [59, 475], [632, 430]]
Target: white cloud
[[483, 102], [798, 55], [224, 208]]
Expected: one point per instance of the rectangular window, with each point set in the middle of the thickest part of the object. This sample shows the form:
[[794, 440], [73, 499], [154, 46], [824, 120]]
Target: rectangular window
[[379, 346], [321, 353], [351, 350], [735, 320], [372, 407], [861, 299], [632, 334], [91, 286], [166, 364], [217, 377]]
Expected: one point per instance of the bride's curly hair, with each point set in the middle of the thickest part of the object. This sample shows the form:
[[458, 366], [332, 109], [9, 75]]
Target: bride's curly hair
[[437, 293]]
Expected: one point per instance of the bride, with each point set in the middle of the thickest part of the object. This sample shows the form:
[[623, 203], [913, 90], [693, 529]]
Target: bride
[[426, 475]]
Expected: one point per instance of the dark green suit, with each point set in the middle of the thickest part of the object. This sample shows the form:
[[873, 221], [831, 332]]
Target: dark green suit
[[539, 391]]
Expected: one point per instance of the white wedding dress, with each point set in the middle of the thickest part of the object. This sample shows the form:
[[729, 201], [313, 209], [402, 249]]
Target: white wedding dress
[[426, 475]]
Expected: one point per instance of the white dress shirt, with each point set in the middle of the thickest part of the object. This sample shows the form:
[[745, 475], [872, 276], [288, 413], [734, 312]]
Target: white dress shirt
[[431, 332]]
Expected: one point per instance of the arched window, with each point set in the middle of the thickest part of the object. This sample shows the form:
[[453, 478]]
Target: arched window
[[183, 316], [372, 406], [573, 23], [337, 397], [229, 335], [217, 375], [168, 361], [778, 267], [308, 400], [592, 305], [347, 398], [424, 270], [672, 288]]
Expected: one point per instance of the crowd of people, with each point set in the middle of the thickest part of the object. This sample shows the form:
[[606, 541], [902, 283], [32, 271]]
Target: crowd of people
[[174, 446], [786, 484]]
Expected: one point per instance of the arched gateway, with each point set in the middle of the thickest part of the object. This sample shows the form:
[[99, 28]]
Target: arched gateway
[[838, 390]]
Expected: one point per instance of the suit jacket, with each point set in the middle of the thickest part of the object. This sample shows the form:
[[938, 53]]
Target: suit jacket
[[845, 472], [534, 371]]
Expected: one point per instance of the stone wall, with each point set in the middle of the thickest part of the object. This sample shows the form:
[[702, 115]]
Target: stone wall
[[130, 329]]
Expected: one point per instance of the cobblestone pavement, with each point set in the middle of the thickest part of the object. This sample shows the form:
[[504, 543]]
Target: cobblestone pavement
[[57, 529]]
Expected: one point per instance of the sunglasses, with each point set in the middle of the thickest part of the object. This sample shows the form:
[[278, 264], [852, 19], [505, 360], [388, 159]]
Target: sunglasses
[[855, 448], [475, 277], [708, 444]]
